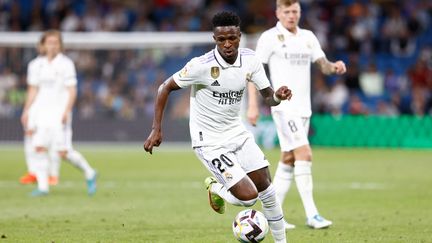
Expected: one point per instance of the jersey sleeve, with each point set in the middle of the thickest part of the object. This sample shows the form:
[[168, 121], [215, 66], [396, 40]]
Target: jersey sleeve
[[70, 78], [258, 76], [263, 49], [317, 52], [190, 74], [31, 74]]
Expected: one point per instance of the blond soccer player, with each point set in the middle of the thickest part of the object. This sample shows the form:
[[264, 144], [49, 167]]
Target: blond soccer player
[[50, 98], [287, 52]]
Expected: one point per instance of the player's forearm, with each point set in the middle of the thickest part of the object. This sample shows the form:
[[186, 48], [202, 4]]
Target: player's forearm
[[160, 104], [325, 66], [269, 97], [31, 95], [271, 101], [71, 100], [252, 96]]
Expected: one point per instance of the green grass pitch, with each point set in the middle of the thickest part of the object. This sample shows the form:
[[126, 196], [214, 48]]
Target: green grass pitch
[[372, 195]]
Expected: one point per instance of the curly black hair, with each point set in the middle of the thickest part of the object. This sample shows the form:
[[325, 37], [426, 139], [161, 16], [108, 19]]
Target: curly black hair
[[226, 18]]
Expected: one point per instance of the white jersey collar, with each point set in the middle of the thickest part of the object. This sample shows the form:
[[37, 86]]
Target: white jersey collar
[[223, 63], [55, 59], [284, 31]]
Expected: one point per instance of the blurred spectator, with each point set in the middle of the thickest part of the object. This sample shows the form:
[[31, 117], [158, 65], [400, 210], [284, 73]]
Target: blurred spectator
[[418, 104], [404, 45], [71, 22], [92, 19], [393, 27], [372, 81], [321, 93], [8, 80], [386, 109], [352, 75], [116, 19], [394, 83], [420, 75], [356, 106], [402, 103], [337, 97]]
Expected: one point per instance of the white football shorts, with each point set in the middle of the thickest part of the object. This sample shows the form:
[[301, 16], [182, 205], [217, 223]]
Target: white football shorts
[[292, 130], [231, 162], [58, 139]]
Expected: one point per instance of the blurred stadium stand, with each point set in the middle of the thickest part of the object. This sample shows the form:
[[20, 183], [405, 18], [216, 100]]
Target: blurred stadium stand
[[387, 46]]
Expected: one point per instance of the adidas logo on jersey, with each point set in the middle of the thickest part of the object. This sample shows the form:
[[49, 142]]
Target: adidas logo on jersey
[[215, 83]]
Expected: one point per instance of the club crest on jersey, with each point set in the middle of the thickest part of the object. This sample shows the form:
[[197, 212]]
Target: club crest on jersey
[[214, 71], [228, 176], [281, 38]]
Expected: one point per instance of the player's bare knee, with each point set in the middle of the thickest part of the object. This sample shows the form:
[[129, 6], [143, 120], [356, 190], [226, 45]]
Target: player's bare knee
[[247, 195], [39, 149], [63, 154], [288, 158], [303, 153]]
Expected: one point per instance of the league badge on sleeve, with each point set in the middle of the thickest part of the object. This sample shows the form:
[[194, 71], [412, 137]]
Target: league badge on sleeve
[[183, 72]]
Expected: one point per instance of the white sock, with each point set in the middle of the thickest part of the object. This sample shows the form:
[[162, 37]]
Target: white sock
[[220, 190], [54, 164], [303, 178], [41, 171], [75, 158], [29, 152], [273, 212], [282, 180]]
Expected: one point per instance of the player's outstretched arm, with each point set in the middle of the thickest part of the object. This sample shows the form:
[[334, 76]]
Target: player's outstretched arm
[[272, 98], [253, 108], [328, 67], [155, 137], [72, 90]]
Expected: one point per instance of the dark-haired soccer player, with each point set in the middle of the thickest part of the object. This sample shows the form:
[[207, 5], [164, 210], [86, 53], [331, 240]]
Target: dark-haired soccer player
[[219, 138]]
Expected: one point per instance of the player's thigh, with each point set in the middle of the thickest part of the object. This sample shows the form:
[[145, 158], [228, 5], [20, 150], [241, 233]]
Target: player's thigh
[[292, 131], [251, 157], [42, 137], [261, 178], [68, 137], [60, 141], [222, 163]]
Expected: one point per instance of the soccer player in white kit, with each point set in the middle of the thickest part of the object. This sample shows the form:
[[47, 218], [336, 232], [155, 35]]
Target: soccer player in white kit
[[219, 139], [287, 51], [51, 95]]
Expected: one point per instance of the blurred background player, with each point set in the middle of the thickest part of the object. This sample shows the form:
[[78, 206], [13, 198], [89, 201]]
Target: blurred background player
[[48, 113], [286, 52], [218, 80]]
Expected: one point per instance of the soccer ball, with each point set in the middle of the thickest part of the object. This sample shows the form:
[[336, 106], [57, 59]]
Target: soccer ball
[[250, 226]]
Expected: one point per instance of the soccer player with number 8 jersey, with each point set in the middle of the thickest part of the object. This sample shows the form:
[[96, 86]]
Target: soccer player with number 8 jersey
[[287, 51]]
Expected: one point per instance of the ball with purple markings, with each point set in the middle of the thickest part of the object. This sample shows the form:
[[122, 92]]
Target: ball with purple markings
[[250, 225]]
